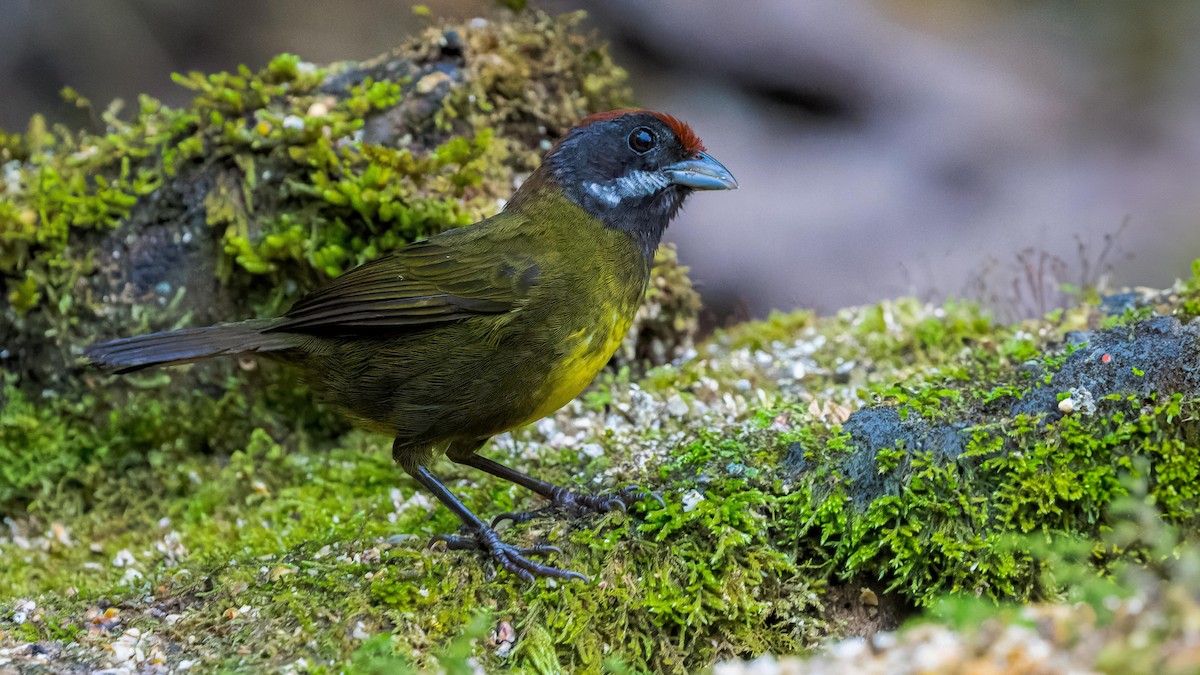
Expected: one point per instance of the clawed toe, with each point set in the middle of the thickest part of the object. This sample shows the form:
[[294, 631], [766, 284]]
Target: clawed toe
[[513, 560], [575, 504], [620, 500], [507, 556], [633, 494], [518, 517], [541, 550]]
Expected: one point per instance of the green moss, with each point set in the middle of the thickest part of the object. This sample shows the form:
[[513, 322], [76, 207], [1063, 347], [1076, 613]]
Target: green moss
[[1189, 302], [296, 538], [288, 551], [949, 525]]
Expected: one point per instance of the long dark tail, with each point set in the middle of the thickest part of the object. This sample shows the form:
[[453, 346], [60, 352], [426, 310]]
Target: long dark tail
[[186, 345]]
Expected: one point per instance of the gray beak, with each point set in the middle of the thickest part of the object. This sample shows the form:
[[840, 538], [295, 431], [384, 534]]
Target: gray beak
[[701, 173]]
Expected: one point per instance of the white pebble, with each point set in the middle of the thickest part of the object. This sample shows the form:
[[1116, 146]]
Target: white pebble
[[676, 406], [23, 610], [849, 649]]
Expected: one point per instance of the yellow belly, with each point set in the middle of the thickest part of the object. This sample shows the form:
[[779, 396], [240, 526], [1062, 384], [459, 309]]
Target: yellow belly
[[592, 350]]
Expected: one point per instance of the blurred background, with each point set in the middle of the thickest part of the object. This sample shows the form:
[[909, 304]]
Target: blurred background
[[884, 147]]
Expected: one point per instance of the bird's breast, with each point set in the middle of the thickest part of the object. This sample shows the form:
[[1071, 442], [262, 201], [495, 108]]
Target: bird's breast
[[588, 295], [582, 354]]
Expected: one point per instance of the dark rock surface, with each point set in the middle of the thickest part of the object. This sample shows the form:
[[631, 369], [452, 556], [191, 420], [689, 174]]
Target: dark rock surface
[[1152, 359]]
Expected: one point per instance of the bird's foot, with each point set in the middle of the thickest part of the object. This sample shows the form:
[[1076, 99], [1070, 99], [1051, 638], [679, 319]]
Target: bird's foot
[[509, 557], [577, 504]]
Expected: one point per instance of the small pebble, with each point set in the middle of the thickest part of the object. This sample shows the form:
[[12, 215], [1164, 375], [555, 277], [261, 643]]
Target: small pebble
[[691, 499], [676, 406], [123, 558]]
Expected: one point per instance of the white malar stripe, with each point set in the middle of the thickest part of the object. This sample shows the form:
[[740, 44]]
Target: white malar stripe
[[636, 184], [641, 183], [606, 192]]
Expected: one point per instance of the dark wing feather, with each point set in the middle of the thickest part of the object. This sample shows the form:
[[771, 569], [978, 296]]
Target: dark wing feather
[[427, 282]]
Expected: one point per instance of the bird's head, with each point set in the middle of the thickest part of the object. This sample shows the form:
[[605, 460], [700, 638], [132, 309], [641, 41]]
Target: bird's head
[[632, 170]]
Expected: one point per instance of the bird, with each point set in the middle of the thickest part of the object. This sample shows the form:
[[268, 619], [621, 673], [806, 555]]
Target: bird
[[446, 342]]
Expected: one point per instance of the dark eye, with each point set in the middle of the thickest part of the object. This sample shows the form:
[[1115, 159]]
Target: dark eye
[[641, 140]]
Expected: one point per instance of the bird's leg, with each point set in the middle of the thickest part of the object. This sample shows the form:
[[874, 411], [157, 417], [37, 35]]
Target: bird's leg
[[484, 538], [561, 498]]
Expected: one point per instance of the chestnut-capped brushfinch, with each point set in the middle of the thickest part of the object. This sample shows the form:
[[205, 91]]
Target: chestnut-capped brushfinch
[[449, 341]]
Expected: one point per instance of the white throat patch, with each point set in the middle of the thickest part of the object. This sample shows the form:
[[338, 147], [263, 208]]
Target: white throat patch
[[636, 184]]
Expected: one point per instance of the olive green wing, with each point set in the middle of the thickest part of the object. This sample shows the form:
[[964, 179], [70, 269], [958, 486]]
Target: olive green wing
[[438, 280]]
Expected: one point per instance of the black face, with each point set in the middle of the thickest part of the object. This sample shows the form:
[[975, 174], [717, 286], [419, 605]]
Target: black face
[[616, 169]]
